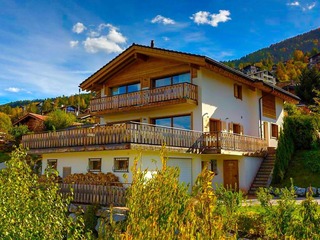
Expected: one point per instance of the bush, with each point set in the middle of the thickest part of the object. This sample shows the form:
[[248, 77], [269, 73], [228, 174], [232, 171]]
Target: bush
[[29, 209], [59, 120]]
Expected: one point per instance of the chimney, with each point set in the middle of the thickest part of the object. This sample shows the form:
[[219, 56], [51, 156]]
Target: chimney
[[152, 44]]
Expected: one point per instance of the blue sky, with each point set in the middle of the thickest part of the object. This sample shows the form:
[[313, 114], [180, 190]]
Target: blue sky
[[47, 48]]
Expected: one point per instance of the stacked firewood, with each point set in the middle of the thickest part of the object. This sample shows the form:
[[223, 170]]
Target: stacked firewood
[[93, 179]]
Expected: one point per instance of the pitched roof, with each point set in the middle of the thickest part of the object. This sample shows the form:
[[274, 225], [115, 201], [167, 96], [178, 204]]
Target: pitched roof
[[136, 51], [32, 115]]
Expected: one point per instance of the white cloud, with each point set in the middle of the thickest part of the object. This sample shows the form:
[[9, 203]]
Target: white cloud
[[115, 36], [203, 17], [163, 20], [93, 45], [296, 3], [304, 7], [78, 28], [310, 6], [94, 33], [109, 43], [13, 89], [166, 39], [74, 43]]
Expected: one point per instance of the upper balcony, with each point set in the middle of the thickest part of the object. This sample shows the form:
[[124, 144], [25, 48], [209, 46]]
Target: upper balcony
[[143, 99], [134, 135]]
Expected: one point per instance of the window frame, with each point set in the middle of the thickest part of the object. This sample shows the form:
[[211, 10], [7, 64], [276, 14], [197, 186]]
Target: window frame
[[52, 162], [212, 165], [153, 121], [171, 77], [93, 160], [118, 160], [237, 91], [126, 88]]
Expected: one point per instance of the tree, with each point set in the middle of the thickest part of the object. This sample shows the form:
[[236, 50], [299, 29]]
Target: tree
[[298, 55], [309, 81], [5, 123], [18, 131], [30, 209], [59, 119]]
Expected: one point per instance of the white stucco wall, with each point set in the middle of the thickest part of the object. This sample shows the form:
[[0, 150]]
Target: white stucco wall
[[248, 167], [216, 97], [78, 161]]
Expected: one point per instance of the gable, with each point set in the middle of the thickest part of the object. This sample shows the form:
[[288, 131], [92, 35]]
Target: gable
[[144, 71]]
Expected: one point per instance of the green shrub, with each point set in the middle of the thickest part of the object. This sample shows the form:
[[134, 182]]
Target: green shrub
[[251, 225], [305, 224], [59, 119], [278, 217], [30, 209], [312, 161]]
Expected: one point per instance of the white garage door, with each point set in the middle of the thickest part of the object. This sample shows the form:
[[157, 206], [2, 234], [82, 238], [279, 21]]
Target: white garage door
[[184, 164]]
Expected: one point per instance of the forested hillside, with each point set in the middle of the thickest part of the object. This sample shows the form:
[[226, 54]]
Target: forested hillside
[[279, 52], [16, 109]]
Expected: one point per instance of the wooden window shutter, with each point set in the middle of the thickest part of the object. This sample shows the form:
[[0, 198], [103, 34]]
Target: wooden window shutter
[[230, 126], [269, 105], [241, 129], [223, 126]]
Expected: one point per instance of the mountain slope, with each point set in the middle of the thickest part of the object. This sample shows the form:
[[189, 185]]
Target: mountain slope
[[282, 51]]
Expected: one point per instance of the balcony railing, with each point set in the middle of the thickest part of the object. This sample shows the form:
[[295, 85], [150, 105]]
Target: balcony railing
[[137, 133], [146, 97]]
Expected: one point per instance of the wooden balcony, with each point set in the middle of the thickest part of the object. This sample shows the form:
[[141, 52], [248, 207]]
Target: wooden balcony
[[161, 96], [125, 135], [220, 142]]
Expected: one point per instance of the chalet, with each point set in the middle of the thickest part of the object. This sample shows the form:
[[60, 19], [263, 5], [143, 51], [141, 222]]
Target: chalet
[[35, 122], [206, 114]]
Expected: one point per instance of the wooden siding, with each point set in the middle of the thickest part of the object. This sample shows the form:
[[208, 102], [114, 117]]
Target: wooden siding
[[269, 106], [183, 91], [144, 71]]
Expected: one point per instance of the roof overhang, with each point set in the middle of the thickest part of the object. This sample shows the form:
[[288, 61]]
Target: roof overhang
[[142, 53]]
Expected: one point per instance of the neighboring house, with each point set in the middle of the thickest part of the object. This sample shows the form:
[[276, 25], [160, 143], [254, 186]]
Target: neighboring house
[[206, 114], [69, 109], [35, 122], [314, 60], [256, 73], [289, 86]]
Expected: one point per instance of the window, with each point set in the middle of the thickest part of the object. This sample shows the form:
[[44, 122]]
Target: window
[[210, 165], [94, 164], [52, 163], [121, 164], [237, 91], [235, 128], [183, 122], [274, 131], [125, 89], [181, 78]]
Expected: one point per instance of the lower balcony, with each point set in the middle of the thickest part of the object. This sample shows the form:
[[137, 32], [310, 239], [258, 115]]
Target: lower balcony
[[132, 134]]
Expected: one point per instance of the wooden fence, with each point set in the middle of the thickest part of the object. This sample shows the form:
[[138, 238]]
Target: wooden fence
[[95, 194]]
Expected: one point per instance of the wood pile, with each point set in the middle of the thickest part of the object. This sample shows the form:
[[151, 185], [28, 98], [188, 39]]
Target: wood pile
[[107, 179]]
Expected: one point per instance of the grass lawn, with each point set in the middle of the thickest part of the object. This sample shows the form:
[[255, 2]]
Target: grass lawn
[[4, 157], [304, 170]]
